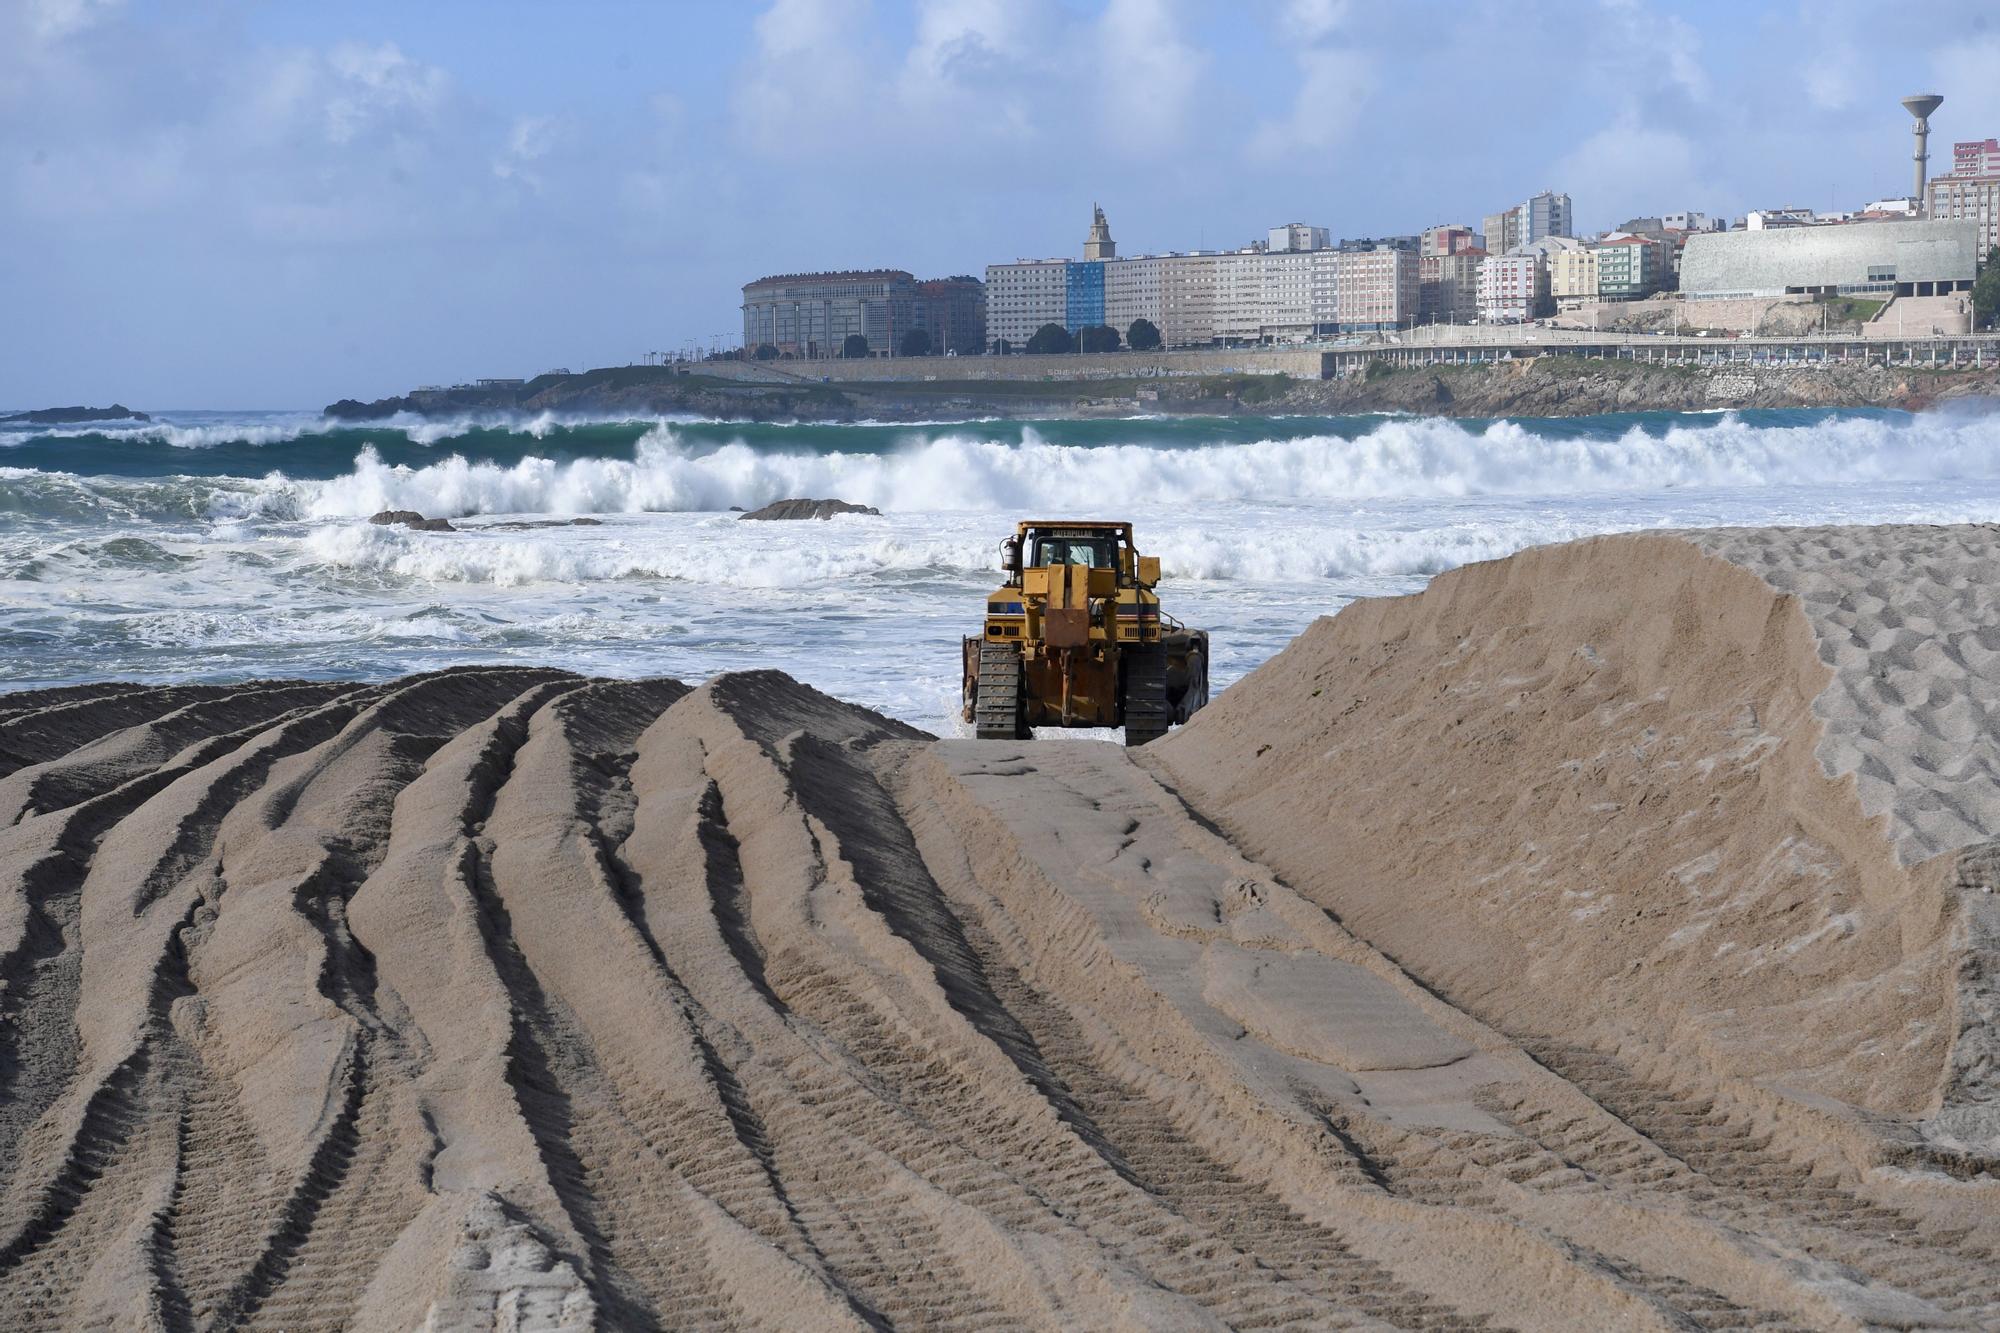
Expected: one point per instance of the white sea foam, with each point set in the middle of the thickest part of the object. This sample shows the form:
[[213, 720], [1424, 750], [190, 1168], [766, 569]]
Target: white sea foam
[[953, 472]]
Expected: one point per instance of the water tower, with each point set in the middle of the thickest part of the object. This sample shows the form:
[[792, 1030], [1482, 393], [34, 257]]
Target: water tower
[[1921, 106]]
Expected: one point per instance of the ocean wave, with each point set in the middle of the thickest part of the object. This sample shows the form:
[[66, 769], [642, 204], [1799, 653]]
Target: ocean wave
[[1414, 457]]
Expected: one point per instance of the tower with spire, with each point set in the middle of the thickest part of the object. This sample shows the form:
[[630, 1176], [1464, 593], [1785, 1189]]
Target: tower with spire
[[1099, 245]]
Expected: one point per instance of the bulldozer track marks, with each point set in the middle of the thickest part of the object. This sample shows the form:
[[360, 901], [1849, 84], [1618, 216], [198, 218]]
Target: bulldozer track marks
[[612, 1003]]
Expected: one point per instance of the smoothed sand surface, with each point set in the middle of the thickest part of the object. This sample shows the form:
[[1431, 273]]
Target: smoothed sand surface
[[1582, 943]]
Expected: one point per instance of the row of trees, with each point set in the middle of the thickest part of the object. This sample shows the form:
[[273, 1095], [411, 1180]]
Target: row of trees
[[1142, 336], [1054, 339]]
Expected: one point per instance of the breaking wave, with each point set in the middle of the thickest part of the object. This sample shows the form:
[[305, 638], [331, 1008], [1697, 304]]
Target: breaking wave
[[1412, 457]]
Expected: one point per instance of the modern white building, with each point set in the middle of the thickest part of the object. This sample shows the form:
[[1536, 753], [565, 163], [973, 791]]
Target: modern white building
[[1187, 298], [1132, 291], [1689, 222], [1932, 258], [1023, 296], [1298, 236]]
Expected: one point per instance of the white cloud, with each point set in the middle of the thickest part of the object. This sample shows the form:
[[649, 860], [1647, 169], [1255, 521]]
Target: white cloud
[[373, 86], [1334, 88], [1631, 169], [51, 20], [1640, 53], [1968, 73], [804, 85], [1149, 73], [529, 141], [1313, 21]]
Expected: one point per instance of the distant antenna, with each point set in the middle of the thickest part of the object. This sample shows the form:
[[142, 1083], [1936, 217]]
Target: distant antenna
[[1921, 105]]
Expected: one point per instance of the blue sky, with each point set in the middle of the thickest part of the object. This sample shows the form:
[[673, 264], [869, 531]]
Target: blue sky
[[206, 203]]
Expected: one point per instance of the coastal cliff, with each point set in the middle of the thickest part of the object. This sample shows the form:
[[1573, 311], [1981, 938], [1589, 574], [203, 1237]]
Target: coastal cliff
[[1543, 386]]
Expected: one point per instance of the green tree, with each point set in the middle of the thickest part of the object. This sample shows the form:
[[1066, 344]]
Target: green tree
[[854, 347], [915, 342], [1986, 291], [1097, 338], [1003, 347], [766, 352], [1143, 336], [1050, 338]]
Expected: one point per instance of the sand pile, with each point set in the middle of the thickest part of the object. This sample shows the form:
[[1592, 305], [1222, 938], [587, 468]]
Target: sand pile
[[1501, 957]]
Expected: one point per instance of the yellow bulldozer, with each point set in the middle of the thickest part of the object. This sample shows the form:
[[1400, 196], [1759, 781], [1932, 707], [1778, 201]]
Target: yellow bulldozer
[[1076, 638]]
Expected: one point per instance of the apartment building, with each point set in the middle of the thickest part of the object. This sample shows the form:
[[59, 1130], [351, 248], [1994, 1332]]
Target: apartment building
[[1132, 291], [1513, 289], [1447, 238], [1448, 286], [811, 315], [1023, 296], [1187, 298], [1573, 277], [953, 312], [1378, 288], [1629, 268], [1297, 236], [1969, 198]]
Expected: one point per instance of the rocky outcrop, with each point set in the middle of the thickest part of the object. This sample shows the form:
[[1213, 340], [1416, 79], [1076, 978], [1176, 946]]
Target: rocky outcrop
[[69, 416], [798, 509], [410, 518]]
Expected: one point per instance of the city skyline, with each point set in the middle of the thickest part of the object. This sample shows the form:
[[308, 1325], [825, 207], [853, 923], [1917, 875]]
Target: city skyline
[[223, 204]]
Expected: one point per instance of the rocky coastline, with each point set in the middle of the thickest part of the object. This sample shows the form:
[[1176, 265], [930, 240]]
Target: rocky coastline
[[1543, 387]]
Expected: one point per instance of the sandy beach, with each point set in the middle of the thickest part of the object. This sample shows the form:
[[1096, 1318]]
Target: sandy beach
[[1605, 937]]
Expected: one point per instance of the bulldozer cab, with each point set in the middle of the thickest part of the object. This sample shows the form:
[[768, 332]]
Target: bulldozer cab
[[1076, 637], [1074, 545], [1094, 552]]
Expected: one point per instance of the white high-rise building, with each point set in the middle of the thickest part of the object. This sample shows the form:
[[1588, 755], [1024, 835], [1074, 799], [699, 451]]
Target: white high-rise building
[[1298, 236], [1187, 299], [1379, 289], [1132, 291], [1023, 296]]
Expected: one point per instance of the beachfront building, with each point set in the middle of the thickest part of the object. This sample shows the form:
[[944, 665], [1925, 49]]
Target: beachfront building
[[1187, 299], [1974, 199], [1514, 288], [1285, 304], [1629, 268], [953, 312], [811, 315], [1573, 277], [1083, 295], [1928, 258], [1448, 287], [1378, 289], [1132, 291], [1503, 231], [1023, 296]]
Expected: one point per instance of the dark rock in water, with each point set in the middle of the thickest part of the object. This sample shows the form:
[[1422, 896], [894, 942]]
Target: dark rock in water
[[62, 416], [523, 525], [791, 509], [410, 518], [738, 509]]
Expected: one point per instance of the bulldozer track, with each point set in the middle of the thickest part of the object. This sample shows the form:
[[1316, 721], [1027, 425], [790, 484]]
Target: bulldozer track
[[997, 711], [1146, 713]]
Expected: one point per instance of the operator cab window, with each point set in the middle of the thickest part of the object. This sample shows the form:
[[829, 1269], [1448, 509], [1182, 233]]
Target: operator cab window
[[1094, 552]]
